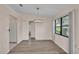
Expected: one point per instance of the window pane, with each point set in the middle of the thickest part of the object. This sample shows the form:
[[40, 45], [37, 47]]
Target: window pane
[[65, 26], [58, 26]]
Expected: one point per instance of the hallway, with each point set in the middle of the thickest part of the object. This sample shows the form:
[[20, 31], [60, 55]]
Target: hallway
[[37, 47]]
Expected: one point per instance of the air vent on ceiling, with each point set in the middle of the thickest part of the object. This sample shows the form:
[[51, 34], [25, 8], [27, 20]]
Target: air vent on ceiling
[[20, 5]]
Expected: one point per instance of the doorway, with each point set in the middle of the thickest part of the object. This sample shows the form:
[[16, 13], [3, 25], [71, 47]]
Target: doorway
[[31, 30], [12, 31]]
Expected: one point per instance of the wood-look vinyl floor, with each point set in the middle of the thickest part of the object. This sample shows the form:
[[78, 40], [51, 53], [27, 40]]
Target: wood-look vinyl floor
[[37, 47]]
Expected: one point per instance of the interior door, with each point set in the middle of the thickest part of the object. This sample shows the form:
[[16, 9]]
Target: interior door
[[13, 29]]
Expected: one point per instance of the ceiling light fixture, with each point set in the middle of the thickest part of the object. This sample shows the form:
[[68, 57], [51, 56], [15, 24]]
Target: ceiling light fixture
[[37, 20]]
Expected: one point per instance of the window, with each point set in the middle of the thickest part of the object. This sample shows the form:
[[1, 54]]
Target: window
[[62, 26], [58, 26], [65, 26]]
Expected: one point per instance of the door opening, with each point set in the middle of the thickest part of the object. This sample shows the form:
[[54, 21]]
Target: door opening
[[31, 30]]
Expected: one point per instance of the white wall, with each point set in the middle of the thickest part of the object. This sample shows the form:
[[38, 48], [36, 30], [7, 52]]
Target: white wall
[[4, 26], [4, 35], [43, 30]]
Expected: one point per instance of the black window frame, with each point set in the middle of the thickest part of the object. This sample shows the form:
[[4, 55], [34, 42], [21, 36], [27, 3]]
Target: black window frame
[[60, 26]]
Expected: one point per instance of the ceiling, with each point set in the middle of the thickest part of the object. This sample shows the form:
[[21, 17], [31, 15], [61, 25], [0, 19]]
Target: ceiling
[[44, 9]]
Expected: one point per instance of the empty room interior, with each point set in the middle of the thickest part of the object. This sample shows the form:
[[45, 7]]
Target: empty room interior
[[39, 28]]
